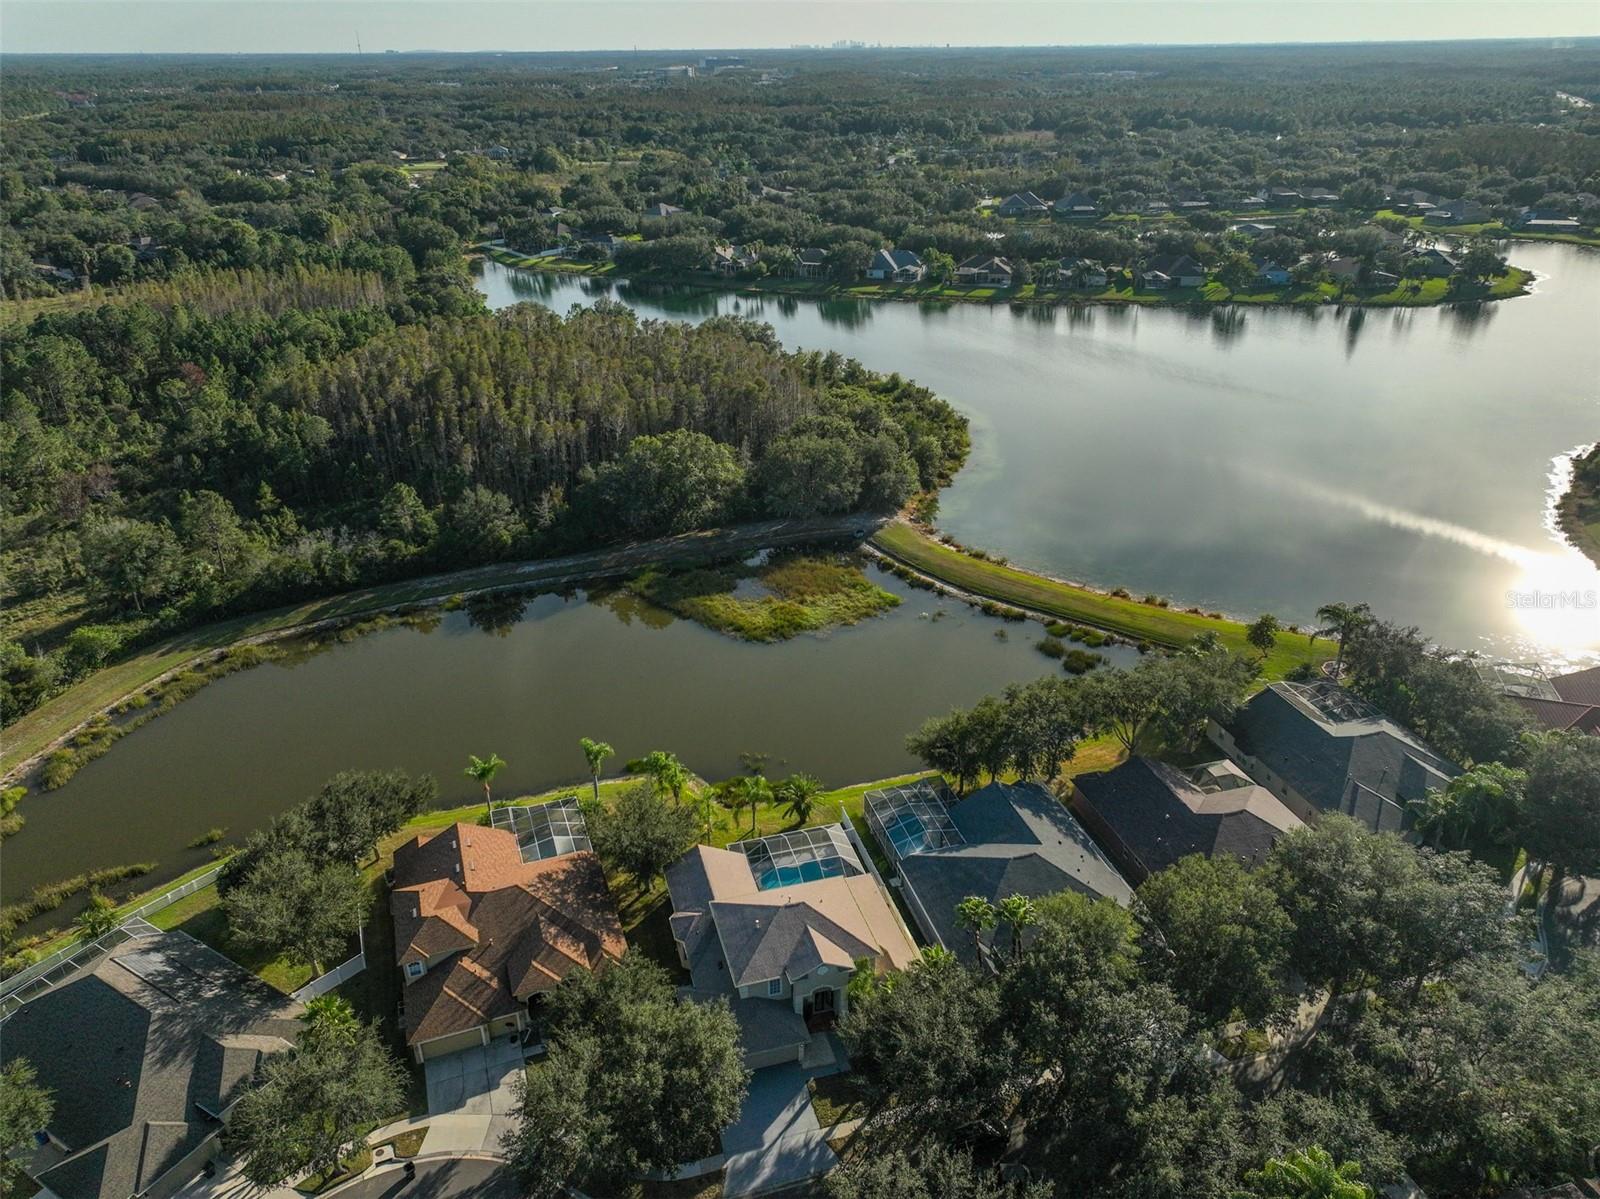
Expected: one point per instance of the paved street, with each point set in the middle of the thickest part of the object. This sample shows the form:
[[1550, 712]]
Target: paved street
[[447, 1178]]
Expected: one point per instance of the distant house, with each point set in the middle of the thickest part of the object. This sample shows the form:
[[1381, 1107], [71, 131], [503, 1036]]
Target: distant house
[[1146, 814], [1023, 204], [54, 273], [1320, 749], [984, 270], [1568, 702], [500, 152], [811, 263], [551, 213], [145, 248], [606, 243], [1456, 212], [1254, 200], [1255, 229], [1320, 196], [1271, 273], [1157, 208], [145, 1052], [142, 201], [1284, 197], [1004, 839], [1179, 269], [1192, 204], [662, 211], [731, 260], [1545, 220], [1077, 207], [776, 927], [1413, 202], [1438, 264], [1081, 272], [487, 921], [896, 266], [1343, 268]]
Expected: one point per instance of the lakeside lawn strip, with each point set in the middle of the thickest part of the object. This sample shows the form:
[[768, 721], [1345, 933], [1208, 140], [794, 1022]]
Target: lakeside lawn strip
[[1126, 617]]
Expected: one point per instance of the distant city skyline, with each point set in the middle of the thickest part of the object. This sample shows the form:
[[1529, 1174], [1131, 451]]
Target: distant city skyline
[[291, 26]]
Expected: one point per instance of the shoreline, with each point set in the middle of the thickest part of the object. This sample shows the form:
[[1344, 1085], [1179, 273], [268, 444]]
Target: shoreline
[[1575, 512], [1515, 283]]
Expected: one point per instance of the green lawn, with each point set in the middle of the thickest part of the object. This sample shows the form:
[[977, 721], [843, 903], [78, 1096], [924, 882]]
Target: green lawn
[[202, 917], [1126, 617]]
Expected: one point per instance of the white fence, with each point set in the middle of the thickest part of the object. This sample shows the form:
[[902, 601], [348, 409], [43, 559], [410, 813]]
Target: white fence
[[76, 951], [330, 980], [61, 965]]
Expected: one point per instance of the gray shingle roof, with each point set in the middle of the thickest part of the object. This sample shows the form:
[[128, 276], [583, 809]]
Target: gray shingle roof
[[141, 1051], [1367, 766], [1020, 840], [1156, 815]]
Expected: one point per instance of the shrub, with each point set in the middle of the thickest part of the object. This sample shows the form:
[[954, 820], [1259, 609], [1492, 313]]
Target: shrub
[[58, 768], [1081, 661], [1051, 647], [1057, 628], [210, 837], [1121, 593]]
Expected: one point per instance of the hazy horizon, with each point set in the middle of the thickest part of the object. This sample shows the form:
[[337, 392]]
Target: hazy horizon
[[296, 26]]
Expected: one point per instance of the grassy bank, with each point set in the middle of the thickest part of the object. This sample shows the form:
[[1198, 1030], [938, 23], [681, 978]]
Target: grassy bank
[[1125, 616], [797, 594], [1579, 510]]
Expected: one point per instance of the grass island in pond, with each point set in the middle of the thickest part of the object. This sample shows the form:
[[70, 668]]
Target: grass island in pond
[[769, 599]]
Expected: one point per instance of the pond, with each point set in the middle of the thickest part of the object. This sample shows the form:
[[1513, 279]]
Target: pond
[[1248, 460], [837, 705]]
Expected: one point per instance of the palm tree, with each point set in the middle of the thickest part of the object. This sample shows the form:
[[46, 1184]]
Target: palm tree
[[1477, 806], [754, 791], [484, 770], [595, 753], [664, 770], [332, 1017], [1342, 621], [977, 915], [96, 920], [1309, 1174], [1017, 912], [798, 795]]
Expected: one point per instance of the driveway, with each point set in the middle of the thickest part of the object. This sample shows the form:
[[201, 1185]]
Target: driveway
[[451, 1178], [776, 1141], [475, 1082]]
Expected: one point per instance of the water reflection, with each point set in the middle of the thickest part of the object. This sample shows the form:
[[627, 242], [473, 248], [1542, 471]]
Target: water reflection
[[1354, 323], [851, 314], [1227, 325], [496, 612]]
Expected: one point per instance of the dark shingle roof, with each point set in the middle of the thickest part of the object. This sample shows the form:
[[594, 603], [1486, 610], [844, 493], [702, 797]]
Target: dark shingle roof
[[1366, 765], [1579, 687], [140, 1052], [1020, 840], [1156, 815]]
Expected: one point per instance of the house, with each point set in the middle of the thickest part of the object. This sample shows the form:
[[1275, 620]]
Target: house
[[1413, 202], [896, 266], [606, 243], [984, 270], [145, 1050], [1146, 814], [1081, 272], [54, 273], [731, 260], [1192, 204], [1077, 207], [1254, 229], [498, 152], [1023, 204], [1156, 208], [1343, 268], [142, 201], [1545, 220], [1320, 196], [1568, 702], [145, 248], [1180, 270], [551, 213], [811, 263], [1270, 273], [1284, 197], [1004, 839], [1438, 264], [488, 920], [1252, 201], [777, 927], [1456, 212], [662, 211], [1319, 748]]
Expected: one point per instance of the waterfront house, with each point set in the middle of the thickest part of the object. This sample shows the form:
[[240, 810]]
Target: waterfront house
[[661, 211], [1320, 748], [489, 920], [1545, 220], [1023, 204], [1456, 212], [1081, 272], [1413, 202], [1180, 269], [144, 1050], [1566, 702], [1004, 839], [776, 927], [896, 266], [1146, 814], [1077, 207], [984, 270], [811, 263], [731, 260], [1437, 263], [1269, 273], [606, 243]]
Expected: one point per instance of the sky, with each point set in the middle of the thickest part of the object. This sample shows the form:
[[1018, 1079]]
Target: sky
[[275, 26]]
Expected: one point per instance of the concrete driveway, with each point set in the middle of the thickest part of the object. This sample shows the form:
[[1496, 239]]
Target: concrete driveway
[[475, 1082], [776, 1142]]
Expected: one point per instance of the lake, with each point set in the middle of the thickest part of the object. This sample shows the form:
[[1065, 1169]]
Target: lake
[[1249, 460], [837, 705]]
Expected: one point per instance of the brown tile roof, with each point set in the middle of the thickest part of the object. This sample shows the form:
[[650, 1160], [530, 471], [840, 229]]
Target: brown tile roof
[[1579, 687], [521, 926]]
